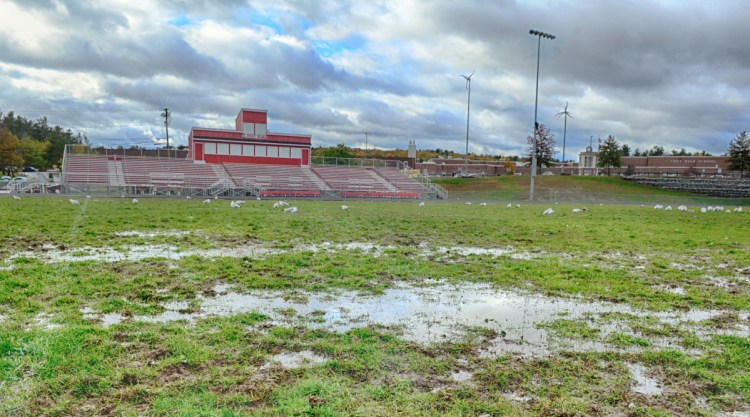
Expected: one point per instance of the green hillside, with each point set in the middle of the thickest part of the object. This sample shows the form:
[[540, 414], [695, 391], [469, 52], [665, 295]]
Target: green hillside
[[571, 189]]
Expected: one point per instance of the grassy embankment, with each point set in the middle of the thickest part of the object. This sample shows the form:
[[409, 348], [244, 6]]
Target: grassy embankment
[[571, 189]]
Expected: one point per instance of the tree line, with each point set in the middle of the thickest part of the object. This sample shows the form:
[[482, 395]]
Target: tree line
[[25, 142], [610, 151]]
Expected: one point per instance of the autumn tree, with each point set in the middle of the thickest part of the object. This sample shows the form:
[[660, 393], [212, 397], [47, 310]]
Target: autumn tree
[[9, 152], [738, 154], [609, 154], [34, 152], [545, 146]]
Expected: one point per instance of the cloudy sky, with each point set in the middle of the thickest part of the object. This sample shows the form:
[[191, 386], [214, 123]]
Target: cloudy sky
[[669, 73]]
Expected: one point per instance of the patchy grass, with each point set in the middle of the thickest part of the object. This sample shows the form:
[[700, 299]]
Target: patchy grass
[[56, 361]]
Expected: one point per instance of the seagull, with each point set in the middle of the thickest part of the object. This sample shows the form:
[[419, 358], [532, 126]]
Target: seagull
[[482, 204], [421, 204], [344, 207], [74, 202], [290, 210], [234, 204], [188, 197], [518, 206], [88, 196], [207, 201], [703, 210], [135, 201], [15, 197], [577, 210], [668, 208], [739, 209], [658, 207], [682, 208], [729, 211], [468, 203], [548, 211], [509, 206], [280, 204]]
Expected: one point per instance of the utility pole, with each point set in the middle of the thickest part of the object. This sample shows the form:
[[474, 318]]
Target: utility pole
[[166, 115], [365, 145]]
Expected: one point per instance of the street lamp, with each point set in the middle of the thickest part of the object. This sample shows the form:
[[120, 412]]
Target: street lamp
[[539, 35], [468, 105]]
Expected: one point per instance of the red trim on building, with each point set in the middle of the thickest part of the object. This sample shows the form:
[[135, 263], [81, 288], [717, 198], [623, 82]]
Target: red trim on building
[[199, 136]]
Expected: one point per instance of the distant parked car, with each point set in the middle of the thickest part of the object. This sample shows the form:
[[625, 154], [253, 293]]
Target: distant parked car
[[29, 169]]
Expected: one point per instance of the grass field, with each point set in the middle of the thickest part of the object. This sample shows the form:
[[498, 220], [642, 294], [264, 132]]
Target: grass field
[[174, 307]]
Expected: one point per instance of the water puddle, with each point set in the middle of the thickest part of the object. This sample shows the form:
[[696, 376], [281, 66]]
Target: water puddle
[[51, 254], [44, 321], [643, 384], [138, 233], [294, 360], [435, 312], [461, 376], [514, 396]]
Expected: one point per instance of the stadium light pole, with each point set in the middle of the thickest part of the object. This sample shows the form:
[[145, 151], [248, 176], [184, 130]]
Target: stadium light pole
[[468, 106], [539, 36]]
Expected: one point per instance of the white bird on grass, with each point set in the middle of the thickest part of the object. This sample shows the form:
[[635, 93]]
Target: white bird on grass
[[729, 211], [518, 206], [135, 201], [668, 208], [74, 202], [682, 208], [703, 210], [88, 196], [207, 201], [738, 209], [658, 207], [280, 204], [290, 210], [548, 211], [421, 204], [468, 203], [15, 197], [482, 204], [509, 206], [234, 204], [344, 207], [577, 210]]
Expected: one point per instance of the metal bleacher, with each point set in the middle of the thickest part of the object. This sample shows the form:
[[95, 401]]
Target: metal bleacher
[[118, 172]]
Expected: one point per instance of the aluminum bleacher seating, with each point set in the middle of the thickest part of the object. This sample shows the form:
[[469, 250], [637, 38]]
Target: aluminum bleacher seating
[[86, 169], [274, 180], [400, 180]]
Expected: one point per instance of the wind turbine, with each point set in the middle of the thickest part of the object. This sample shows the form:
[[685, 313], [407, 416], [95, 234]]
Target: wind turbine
[[565, 115], [468, 106]]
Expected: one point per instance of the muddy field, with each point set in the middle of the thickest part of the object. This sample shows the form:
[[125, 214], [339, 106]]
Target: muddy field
[[174, 307]]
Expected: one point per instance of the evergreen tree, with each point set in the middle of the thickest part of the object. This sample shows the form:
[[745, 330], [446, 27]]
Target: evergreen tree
[[625, 150], [739, 154], [545, 146], [656, 151], [609, 154]]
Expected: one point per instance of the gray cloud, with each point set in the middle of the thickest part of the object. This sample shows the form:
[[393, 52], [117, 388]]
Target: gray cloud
[[675, 74]]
